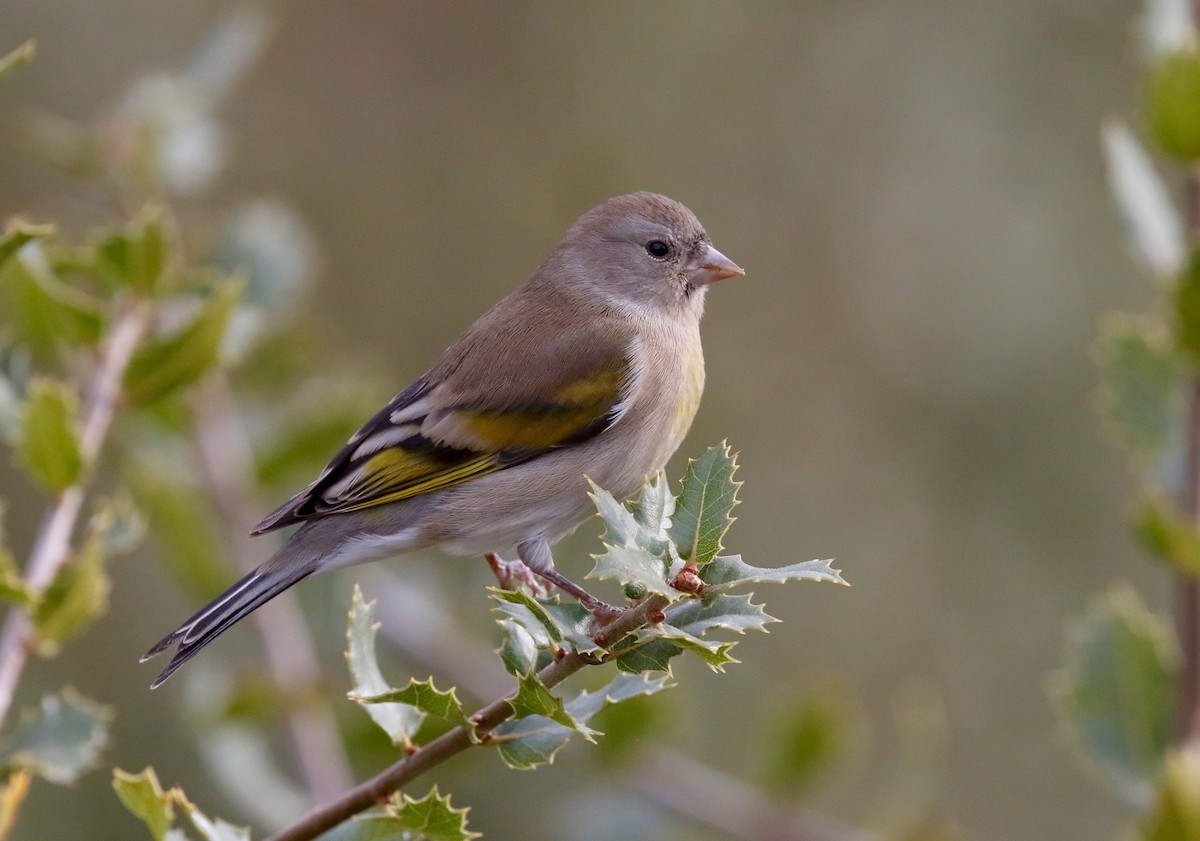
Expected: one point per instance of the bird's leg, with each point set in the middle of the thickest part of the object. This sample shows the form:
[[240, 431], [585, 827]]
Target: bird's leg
[[538, 558], [512, 574]]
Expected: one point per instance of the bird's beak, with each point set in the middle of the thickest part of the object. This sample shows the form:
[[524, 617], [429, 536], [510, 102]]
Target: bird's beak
[[714, 266]]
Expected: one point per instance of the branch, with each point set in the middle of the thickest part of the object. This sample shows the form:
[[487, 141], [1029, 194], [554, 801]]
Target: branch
[[671, 779], [227, 463], [52, 547], [456, 741]]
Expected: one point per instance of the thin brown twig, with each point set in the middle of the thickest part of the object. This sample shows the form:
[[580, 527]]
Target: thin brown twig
[[454, 742], [227, 462], [52, 547]]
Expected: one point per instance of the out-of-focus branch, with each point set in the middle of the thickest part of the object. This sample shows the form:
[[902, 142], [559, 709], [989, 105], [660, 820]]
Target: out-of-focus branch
[[455, 741], [672, 780], [52, 547], [227, 462]]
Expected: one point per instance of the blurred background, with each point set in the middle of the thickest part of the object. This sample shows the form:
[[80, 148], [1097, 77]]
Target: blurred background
[[917, 194]]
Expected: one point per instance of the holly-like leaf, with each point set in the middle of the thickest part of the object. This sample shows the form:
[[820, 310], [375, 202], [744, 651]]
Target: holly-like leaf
[[77, 596], [633, 564], [17, 234], [58, 740], [399, 721], [164, 364], [647, 654], [1152, 224], [46, 313], [530, 614], [718, 611], [423, 695], [143, 796], [1141, 395], [533, 741], [728, 571], [702, 507], [18, 58], [431, 818], [518, 651], [715, 654], [1175, 815], [534, 699], [1116, 693], [48, 446], [139, 256]]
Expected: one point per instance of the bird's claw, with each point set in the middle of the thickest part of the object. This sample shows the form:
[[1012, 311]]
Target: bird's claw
[[512, 574]]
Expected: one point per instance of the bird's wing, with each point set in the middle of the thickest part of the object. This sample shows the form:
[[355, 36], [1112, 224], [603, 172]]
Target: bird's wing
[[494, 400]]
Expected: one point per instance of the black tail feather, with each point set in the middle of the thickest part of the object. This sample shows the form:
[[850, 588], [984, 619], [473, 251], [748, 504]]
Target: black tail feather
[[211, 621]]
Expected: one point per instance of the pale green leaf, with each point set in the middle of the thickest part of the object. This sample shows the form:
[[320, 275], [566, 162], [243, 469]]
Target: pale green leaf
[[534, 699], [518, 651], [1175, 814], [143, 796], [46, 313], [1116, 693], [529, 613], [720, 610], [1173, 103], [1141, 394], [431, 818], [533, 741], [727, 571], [647, 654], [1168, 535], [139, 256], [702, 508], [423, 695], [714, 654], [633, 564], [166, 363], [58, 740], [48, 445], [18, 58], [399, 721]]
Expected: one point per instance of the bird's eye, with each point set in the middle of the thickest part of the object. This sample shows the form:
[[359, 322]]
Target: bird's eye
[[657, 249]]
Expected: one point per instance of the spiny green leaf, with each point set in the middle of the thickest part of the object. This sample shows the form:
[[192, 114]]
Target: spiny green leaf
[[1116, 693], [140, 256], [549, 623], [1175, 815], [423, 695], [17, 233], [715, 654], [45, 313], [719, 610], [60, 739], [18, 58], [78, 595], [48, 446], [399, 721], [431, 818], [533, 698], [166, 363], [727, 571], [702, 507], [642, 523], [518, 651], [647, 654], [1141, 396], [533, 741], [634, 564], [143, 796]]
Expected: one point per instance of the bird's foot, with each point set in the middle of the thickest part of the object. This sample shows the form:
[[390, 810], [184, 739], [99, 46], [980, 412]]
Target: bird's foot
[[512, 574]]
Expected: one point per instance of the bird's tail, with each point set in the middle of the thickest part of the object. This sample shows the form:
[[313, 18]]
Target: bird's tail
[[266, 582]]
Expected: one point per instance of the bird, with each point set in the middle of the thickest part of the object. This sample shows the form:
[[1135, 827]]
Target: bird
[[590, 370]]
